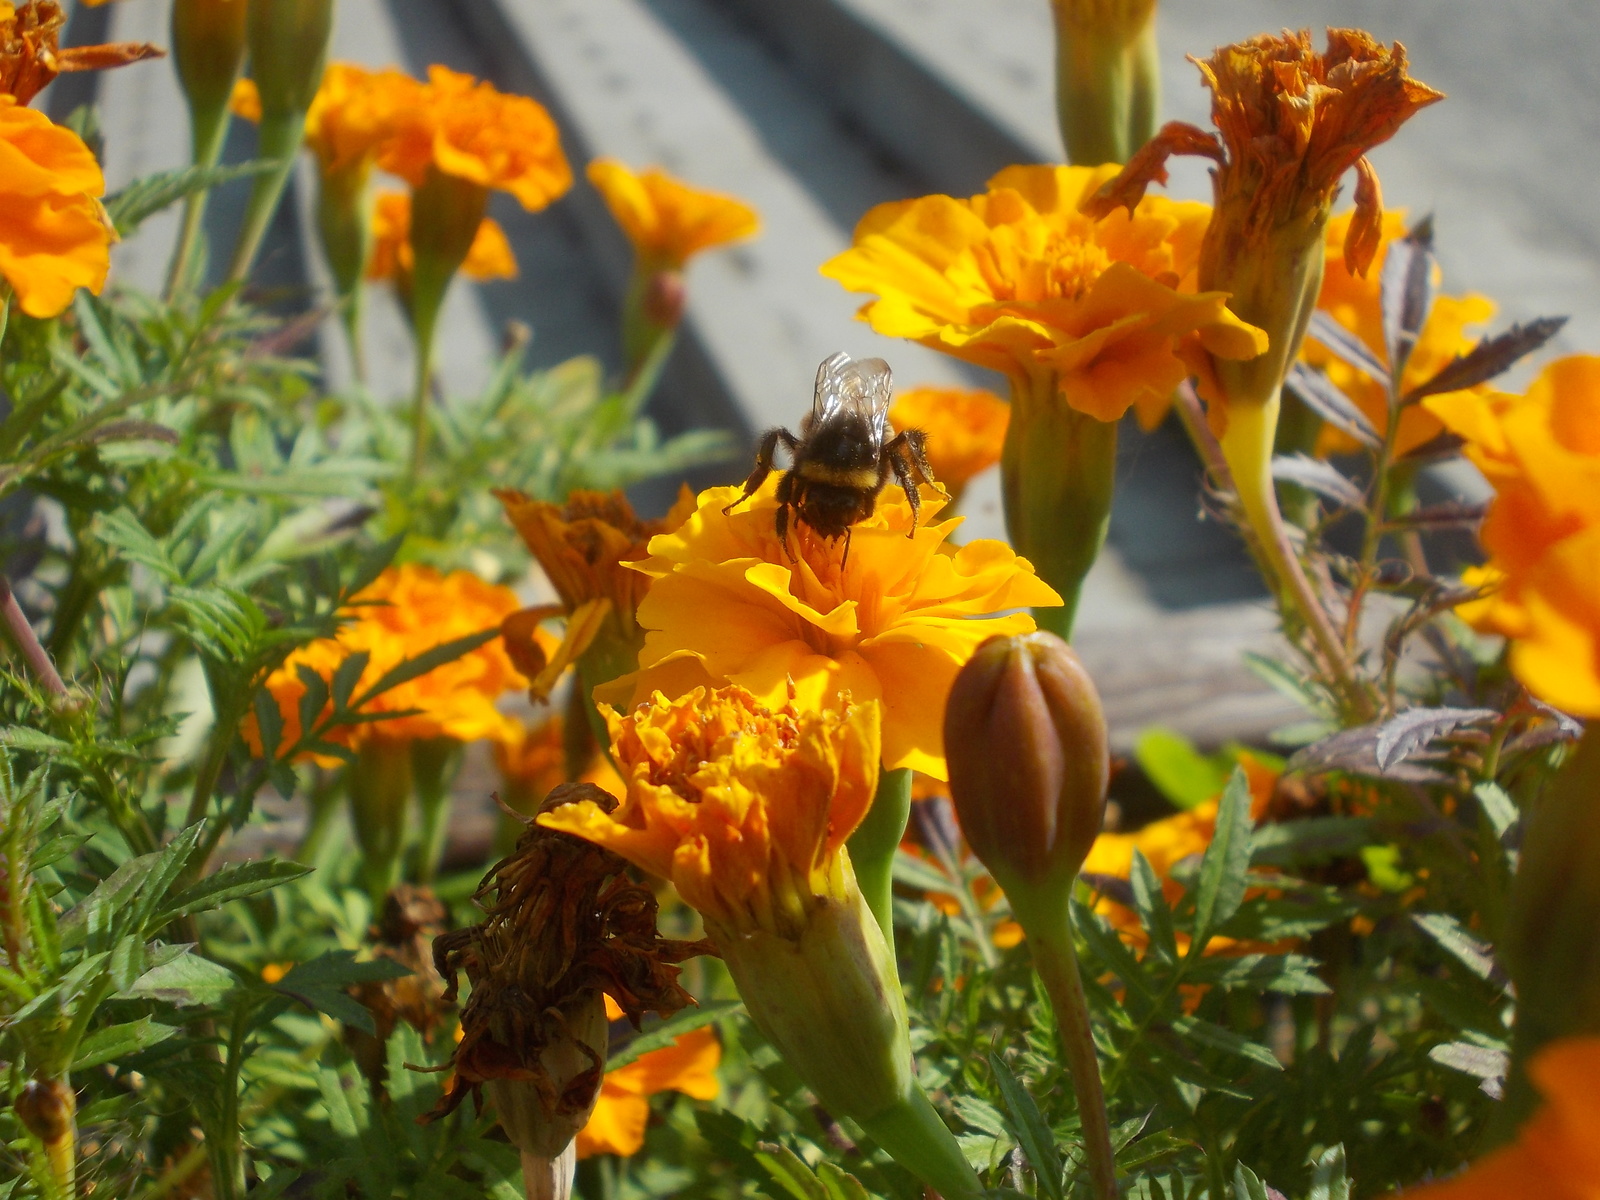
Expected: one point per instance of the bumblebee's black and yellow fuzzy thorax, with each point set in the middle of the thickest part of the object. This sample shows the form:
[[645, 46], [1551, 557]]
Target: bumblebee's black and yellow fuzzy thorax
[[840, 461]]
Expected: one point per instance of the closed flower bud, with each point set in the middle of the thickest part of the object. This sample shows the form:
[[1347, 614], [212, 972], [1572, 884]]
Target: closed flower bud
[[1025, 738]]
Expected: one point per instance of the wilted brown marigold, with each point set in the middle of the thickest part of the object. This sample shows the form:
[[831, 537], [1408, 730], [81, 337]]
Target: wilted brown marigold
[[564, 927], [30, 53], [585, 547]]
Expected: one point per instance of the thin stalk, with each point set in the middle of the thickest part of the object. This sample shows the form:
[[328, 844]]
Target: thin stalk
[[28, 644], [210, 131], [876, 841], [1049, 929], [280, 138], [433, 766]]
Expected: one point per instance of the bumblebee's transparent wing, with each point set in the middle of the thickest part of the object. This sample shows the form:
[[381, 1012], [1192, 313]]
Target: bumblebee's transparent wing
[[847, 385]]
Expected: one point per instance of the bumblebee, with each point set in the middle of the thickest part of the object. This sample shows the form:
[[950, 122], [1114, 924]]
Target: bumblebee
[[840, 461]]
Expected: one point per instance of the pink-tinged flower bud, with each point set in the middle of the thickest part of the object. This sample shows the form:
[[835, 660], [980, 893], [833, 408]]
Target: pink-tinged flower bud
[[1025, 739]]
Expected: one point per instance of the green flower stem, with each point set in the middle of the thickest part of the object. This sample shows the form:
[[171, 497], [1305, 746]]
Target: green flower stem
[[346, 232], [380, 785], [876, 841], [1555, 909], [434, 763], [915, 1136], [210, 131], [1045, 919], [1108, 90], [1058, 473], [279, 141]]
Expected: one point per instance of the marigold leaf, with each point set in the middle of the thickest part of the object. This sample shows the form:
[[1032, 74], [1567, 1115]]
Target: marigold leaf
[[412, 668], [116, 1042], [1319, 393], [789, 1171], [1405, 292], [142, 199], [1181, 773], [229, 884], [1151, 904], [1215, 1037], [1319, 476], [1328, 1178], [1402, 736], [1223, 871], [671, 1030], [1481, 1062], [1031, 1129], [1488, 358], [1338, 340], [1477, 956]]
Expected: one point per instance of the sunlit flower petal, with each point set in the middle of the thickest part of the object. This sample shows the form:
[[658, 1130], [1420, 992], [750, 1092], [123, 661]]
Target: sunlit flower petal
[[668, 221]]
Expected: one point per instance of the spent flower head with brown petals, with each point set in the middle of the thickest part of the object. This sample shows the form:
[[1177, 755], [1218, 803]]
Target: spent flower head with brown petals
[[564, 927], [31, 55]]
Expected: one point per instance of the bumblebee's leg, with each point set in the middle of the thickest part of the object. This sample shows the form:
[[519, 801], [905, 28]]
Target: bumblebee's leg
[[785, 498], [895, 456], [844, 559], [913, 444], [766, 451]]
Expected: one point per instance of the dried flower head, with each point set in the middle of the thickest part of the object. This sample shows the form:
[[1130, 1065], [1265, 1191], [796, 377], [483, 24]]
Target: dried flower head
[[1021, 281], [730, 605], [668, 221], [411, 918], [55, 237], [966, 430], [585, 547], [30, 53], [563, 927], [489, 256]]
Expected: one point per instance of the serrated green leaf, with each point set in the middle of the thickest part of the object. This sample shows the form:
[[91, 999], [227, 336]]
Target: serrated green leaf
[[1032, 1131], [1328, 1178], [1151, 904], [142, 199], [116, 1042], [918, 873], [1309, 841], [1245, 1184], [1226, 865], [269, 724], [346, 678], [413, 668], [229, 884], [789, 1171], [1498, 807], [1476, 956], [320, 983], [1286, 974], [186, 980], [20, 737], [1216, 1037]]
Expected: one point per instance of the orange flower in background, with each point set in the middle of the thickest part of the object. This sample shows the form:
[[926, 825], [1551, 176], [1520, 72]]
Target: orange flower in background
[[668, 221], [895, 624], [1557, 1152], [31, 57], [353, 113], [618, 1122], [408, 611], [1019, 280], [55, 237], [1541, 452], [532, 762], [966, 430], [584, 547], [745, 807], [489, 257], [1353, 301], [468, 129]]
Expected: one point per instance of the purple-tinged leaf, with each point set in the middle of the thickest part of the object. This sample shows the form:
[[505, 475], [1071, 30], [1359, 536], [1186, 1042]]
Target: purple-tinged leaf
[[1405, 292], [1318, 393], [1435, 518], [1441, 446], [1319, 476], [1339, 341], [1402, 736], [1488, 358]]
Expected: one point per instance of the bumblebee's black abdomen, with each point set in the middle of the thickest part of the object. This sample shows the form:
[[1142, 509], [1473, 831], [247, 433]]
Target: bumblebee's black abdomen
[[843, 443], [831, 509]]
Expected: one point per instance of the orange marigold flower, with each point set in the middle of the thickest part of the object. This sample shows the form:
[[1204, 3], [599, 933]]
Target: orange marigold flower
[[31, 57], [668, 221], [353, 113], [1557, 1154], [489, 257], [1353, 300], [408, 611], [1542, 454], [966, 430], [620, 1115], [55, 237], [532, 762], [585, 548], [1019, 280], [894, 624], [472, 131], [745, 807]]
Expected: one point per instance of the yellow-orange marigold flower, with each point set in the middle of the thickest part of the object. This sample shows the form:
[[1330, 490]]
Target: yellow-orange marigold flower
[[585, 548], [894, 624], [668, 221], [354, 111], [621, 1113], [745, 807], [1019, 280], [468, 129], [966, 429], [1542, 454], [1557, 1152], [1353, 301], [533, 761], [30, 54], [408, 611], [489, 257], [55, 237]]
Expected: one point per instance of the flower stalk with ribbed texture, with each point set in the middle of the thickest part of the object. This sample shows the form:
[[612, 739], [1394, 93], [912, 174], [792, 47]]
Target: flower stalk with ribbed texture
[[1108, 78], [564, 927], [1291, 122], [746, 808], [1086, 317], [208, 47], [668, 222], [1030, 760], [288, 43]]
